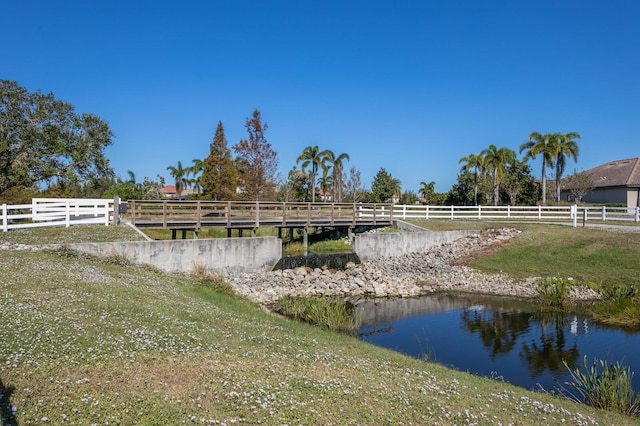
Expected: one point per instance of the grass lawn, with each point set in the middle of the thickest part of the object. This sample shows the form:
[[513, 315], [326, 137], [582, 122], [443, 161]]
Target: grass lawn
[[91, 342]]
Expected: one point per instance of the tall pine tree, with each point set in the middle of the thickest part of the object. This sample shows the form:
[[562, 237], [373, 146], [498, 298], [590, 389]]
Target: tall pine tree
[[220, 176]]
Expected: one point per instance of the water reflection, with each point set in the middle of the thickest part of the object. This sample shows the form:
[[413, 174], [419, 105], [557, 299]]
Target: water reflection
[[495, 336], [551, 350], [498, 330]]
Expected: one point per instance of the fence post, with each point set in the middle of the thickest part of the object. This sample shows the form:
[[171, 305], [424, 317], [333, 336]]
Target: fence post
[[451, 212], [116, 211], [67, 213], [5, 222], [574, 215], [426, 214], [637, 214], [479, 211], [604, 213], [509, 212]]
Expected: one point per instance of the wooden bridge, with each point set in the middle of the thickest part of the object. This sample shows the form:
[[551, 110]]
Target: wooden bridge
[[194, 215]]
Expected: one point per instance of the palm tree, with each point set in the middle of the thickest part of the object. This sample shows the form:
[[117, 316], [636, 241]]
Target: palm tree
[[179, 174], [312, 156], [565, 146], [336, 163], [541, 144], [497, 160], [196, 170], [132, 178], [473, 161], [427, 189], [325, 182]]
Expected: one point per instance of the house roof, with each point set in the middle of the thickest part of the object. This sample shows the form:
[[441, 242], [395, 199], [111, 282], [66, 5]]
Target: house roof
[[616, 173], [169, 189]]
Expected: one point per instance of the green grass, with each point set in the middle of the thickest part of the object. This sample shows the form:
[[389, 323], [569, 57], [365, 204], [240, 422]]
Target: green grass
[[73, 234], [587, 255], [86, 341], [320, 247]]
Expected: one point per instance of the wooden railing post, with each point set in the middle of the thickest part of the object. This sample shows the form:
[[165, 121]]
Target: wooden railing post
[[198, 215], [284, 214], [164, 214], [604, 213], [257, 222]]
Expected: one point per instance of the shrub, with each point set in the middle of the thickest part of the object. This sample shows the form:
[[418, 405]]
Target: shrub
[[606, 386], [553, 292], [619, 291]]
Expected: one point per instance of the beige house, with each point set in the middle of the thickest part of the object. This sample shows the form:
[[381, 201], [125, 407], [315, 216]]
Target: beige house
[[616, 182]]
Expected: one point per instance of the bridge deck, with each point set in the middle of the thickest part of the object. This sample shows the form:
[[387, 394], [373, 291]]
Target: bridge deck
[[249, 215]]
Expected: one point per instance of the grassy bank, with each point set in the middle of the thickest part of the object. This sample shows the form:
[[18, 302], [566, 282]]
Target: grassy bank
[[86, 341], [604, 260]]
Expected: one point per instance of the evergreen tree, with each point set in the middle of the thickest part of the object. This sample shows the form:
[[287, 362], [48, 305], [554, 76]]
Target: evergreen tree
[[219, 175], [384, 187]]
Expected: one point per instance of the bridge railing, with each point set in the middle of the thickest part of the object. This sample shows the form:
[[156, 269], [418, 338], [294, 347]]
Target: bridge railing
[[249, 214], [43, 212]]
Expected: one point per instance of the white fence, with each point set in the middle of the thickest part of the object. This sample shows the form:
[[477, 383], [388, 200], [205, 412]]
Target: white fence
[[44, 212], [538, 213]]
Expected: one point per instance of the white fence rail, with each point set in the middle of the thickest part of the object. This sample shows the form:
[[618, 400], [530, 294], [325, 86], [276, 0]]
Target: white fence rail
[[538, 213], [43, 212]]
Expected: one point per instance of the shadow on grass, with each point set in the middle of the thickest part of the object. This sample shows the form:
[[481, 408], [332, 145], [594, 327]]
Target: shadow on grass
[[7, 414]]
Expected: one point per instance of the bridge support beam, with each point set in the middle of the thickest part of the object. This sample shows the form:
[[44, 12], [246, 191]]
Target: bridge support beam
[[305, 239]]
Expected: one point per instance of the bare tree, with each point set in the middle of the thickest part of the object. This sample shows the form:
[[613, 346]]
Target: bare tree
[[579, 184], [258, 161], [354, 191]]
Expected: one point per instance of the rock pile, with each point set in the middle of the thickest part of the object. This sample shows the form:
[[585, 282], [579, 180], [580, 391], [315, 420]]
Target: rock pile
[[410, 275]]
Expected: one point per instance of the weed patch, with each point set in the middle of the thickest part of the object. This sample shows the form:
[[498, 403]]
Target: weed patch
[[553, 292], [328, 313], [606, 386]]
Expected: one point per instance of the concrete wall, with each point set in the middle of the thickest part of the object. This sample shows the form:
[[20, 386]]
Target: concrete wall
[[237, 254], [375, 245]]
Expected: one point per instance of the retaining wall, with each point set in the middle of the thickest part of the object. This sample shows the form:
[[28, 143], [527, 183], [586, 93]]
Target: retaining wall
[[221, 254], [392, 244]]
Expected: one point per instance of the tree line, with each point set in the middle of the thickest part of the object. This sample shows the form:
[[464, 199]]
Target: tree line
[[46, 148]]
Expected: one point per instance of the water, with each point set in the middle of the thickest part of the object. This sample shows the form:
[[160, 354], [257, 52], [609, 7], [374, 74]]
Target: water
[[498, 338]]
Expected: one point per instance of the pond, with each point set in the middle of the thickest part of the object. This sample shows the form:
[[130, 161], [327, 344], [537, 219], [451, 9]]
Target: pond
[[499, 338]]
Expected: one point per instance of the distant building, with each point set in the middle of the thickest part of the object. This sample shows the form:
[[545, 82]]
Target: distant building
[[324, 196], [169, 191], [616, 182]]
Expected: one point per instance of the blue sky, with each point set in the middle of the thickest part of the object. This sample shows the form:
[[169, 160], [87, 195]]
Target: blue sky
[[411, 86]]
